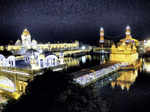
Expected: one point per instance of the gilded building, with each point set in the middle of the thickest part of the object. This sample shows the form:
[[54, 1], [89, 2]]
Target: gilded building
[[128, 39], [126, 50]]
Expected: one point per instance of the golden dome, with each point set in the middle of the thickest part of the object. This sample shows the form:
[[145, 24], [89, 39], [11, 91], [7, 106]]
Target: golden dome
[[18, 42], [25, 32]]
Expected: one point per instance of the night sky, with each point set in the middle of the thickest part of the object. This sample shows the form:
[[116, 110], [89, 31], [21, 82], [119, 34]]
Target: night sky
[[52, 20]]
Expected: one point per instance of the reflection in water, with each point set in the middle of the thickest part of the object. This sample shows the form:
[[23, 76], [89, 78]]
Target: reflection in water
[[72, 62], [107, 80], [83, 58], [97, 97], [102, 58], [126, 79], [74, 97]]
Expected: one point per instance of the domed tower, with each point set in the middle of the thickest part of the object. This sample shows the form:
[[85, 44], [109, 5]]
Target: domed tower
[[128, 38], [128, 33], [101, 35], [18, 43], [101, 41], [26, 39]]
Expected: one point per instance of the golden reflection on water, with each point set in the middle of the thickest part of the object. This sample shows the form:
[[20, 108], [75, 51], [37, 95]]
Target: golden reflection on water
[[14, 86], [72, 62], [126, 79]]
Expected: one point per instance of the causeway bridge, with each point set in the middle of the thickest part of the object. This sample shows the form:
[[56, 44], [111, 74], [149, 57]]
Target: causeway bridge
[[94, 75]]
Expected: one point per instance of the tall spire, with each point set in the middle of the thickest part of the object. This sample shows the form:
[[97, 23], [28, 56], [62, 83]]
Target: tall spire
[[101, 35], [128, 32]]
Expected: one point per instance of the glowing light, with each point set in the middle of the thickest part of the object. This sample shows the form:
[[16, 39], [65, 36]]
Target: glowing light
[[128, 27], [83, 47], [148, 42], [83, 59], [15, 72], [147, 66]]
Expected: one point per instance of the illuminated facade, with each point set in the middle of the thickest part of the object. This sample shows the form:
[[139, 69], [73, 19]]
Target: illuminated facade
[[32, 54], [126, 50], [40, 61], [27, 43], [7, 62], [11, 87], [32, 60]]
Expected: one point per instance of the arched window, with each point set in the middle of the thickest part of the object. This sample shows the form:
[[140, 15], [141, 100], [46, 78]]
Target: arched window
[[11, 61], [51, 60]]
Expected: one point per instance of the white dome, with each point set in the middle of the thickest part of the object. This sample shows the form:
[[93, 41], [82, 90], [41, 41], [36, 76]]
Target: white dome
[[34, 42], [18, 42]]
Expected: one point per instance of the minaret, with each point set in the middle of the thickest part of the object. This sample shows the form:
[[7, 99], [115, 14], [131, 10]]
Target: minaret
[[101, 35], [128, 32]]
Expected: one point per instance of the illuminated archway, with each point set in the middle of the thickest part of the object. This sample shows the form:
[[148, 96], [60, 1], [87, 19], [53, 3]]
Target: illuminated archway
[[11, 61], [51, 60]]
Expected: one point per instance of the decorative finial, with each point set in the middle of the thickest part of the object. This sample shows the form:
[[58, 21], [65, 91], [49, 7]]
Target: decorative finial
[[128, 27], [128, 30], [25, 29], [101, 29], [25, 32]]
